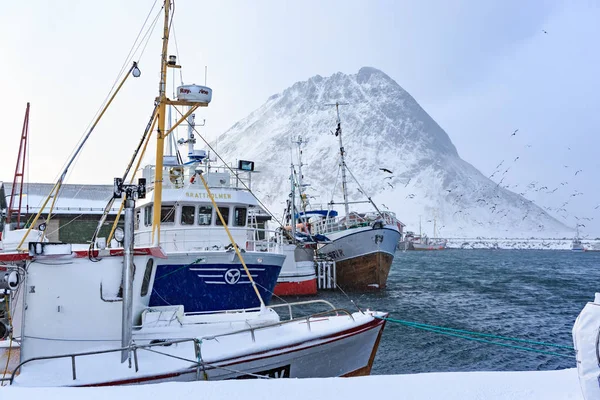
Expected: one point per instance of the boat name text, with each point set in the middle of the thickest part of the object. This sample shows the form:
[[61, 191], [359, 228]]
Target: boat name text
[[205, 195]]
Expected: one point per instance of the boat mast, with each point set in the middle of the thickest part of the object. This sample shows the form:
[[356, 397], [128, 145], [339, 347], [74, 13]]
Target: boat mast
[[301, 193], [160, 134], [292, 201], [338, 133]]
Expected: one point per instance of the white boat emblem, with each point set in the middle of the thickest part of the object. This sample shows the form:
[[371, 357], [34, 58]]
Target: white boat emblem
[[232, 276]]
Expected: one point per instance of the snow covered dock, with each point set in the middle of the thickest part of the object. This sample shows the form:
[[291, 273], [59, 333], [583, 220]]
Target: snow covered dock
[[542, 385]]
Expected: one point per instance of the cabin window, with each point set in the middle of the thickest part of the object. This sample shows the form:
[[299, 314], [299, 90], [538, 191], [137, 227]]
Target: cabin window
[[239, 217], [148, 215], [204, 215], [225, 213], [136, 222], [147, 276], [187, 215], [167, 214]]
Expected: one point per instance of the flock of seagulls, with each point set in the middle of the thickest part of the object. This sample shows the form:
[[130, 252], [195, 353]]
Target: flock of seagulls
[[489, 197]]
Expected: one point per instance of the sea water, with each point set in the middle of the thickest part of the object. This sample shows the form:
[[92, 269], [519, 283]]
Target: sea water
[[529, 294]]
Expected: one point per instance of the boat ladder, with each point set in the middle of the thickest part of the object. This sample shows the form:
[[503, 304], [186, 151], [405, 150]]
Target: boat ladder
[[326, 278]]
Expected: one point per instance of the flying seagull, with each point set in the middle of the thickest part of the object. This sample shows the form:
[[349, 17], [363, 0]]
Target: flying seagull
[[515, 132], [544, 31], [386, 170], [392, 186], [578, 171]]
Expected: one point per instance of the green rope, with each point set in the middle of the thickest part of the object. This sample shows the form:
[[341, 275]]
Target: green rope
[[417, 324], [180, 268], [449, 332]]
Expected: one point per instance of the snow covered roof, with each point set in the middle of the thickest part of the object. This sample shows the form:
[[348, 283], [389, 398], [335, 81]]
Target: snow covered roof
[[72, 199]]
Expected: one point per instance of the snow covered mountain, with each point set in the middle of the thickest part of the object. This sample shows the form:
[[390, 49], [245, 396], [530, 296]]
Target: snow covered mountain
[[383, 127]]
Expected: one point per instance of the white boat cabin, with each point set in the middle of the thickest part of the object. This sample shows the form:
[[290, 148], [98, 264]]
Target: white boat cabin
[[189, 220]]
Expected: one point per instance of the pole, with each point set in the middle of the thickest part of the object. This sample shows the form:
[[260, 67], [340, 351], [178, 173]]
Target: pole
[[131, 193], [127, 323], [160, 135], [338, 133], [292, 202]]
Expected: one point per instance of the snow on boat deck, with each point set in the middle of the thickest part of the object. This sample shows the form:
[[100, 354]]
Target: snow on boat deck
[[542, 385]]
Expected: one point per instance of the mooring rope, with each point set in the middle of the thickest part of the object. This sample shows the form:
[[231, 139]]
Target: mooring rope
[[464, 334]]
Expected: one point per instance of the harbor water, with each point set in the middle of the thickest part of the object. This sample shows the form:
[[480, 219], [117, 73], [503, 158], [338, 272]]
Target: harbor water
[[528, 294]]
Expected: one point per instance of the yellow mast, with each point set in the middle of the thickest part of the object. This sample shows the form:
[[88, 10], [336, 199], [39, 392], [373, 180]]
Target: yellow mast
[[160, 136]]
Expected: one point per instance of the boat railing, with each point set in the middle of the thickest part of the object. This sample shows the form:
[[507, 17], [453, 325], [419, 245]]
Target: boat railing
[[197, 342], [354, 220], [183, 176], [133, 349], [214, 238], [289, 306], [306, 319]]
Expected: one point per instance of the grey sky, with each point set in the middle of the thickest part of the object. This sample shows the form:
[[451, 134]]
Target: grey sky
[[481, 69]]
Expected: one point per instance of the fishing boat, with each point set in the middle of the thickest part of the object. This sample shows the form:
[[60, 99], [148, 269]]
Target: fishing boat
[[87, 319], [201, 270], [185, 215], [576, 244], [298, 275], [362, 244], [89, 323], [421, 241]]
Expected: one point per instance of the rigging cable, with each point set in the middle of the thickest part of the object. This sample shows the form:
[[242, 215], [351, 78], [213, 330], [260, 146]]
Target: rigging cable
[[236, 175], [177, 52], [363, 191], [75, 153]]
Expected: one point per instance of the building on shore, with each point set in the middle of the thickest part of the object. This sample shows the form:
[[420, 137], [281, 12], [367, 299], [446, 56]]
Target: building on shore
[[75, 215]]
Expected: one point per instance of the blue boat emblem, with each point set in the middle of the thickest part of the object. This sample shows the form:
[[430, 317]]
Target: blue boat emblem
[[232, 276]]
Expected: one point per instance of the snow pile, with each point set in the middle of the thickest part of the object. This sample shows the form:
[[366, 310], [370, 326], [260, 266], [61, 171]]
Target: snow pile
[[535, 385], [383, 127]]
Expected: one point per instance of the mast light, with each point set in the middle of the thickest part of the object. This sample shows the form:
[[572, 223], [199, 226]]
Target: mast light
[[135, 71]]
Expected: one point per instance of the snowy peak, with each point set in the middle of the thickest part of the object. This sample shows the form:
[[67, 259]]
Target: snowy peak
[[383, 127]]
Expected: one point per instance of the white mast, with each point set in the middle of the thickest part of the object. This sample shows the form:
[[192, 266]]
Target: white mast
[[303, 197], [191, 139], [292, 201]]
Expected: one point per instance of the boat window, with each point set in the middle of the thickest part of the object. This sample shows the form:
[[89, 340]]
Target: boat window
[[239, 216], [225, 213], [136, 222], [148, 215], [167, 214], [187, 215], [204, 215], [147, 276]]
